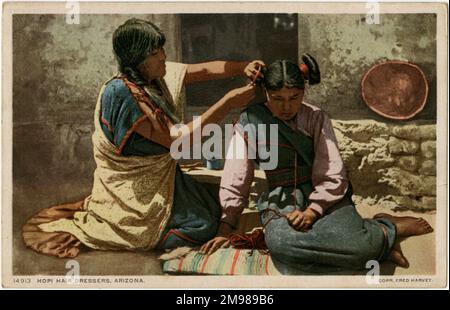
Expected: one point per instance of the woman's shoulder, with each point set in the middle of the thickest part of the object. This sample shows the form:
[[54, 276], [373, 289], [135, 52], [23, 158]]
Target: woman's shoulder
[[117, 99], [118, 95], [117, 87], [172, 65]]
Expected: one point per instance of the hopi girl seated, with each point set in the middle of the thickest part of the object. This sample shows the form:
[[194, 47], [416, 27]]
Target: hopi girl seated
[[310, 221]]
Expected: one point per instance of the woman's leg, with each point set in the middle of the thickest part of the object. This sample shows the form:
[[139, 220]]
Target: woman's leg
[[195, 215]]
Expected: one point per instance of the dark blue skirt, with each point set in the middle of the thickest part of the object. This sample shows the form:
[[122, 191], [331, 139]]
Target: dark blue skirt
[[338, 241]]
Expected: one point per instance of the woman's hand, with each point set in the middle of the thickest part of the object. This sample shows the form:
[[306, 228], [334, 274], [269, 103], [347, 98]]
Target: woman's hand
[[212, 245], [253, 69], [240, 97], [302, 220]]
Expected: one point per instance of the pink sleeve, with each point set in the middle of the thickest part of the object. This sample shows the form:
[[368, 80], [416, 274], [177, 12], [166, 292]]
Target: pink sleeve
[[237, 178], [329, 176]]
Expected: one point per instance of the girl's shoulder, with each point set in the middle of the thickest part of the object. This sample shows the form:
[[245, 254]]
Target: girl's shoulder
[[311, 108], [255, 113], [311, 111]]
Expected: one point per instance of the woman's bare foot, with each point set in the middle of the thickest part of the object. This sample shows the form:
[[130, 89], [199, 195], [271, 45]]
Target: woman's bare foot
[[407, 226], [396, 256]]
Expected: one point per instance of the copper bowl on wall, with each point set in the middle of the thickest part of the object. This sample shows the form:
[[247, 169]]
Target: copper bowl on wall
[[395, 89]]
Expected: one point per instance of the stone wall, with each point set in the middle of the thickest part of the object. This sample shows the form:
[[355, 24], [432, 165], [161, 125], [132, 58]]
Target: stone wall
[[346, 46], [390, 165]]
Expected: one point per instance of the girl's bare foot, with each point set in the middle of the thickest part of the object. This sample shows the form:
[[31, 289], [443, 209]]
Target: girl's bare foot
[[407, 226], [396, 256]]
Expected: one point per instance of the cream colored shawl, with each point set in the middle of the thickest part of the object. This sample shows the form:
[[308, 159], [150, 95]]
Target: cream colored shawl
[[132, 196]]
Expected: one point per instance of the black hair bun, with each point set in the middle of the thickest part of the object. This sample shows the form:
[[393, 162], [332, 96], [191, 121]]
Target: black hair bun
[[260, 80], [313, 69]]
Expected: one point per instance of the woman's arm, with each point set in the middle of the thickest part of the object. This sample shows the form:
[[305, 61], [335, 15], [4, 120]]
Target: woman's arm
[[162, 133], [234, 99], [215, 70]]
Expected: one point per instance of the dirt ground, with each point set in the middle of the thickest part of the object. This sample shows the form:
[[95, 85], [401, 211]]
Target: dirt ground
[[420, 251]]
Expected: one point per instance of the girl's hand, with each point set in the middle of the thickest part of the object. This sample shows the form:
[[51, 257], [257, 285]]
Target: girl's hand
[[253, 69], [212, 245], [302, 220], [240, 97]]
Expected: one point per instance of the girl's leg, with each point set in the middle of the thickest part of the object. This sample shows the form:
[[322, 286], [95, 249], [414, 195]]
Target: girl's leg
[[341, 238], [406, 226]]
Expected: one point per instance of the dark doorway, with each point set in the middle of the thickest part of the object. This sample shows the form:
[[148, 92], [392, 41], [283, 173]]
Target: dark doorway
[[239, 37]]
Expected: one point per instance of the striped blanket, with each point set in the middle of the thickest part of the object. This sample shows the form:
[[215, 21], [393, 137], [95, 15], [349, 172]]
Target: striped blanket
[[225, 261]]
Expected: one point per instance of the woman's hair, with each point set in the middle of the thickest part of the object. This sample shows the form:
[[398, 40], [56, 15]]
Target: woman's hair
[[289, 74], [132, 42]]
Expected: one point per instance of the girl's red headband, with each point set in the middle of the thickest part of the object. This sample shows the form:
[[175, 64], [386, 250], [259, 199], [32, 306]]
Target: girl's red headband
[[305, 71]]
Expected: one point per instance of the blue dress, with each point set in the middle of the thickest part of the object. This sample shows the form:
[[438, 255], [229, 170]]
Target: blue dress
[[196, 212]]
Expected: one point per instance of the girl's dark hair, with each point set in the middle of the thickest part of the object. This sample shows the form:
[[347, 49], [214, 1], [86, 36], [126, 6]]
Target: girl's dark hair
[[132, 42], [287, 73]]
